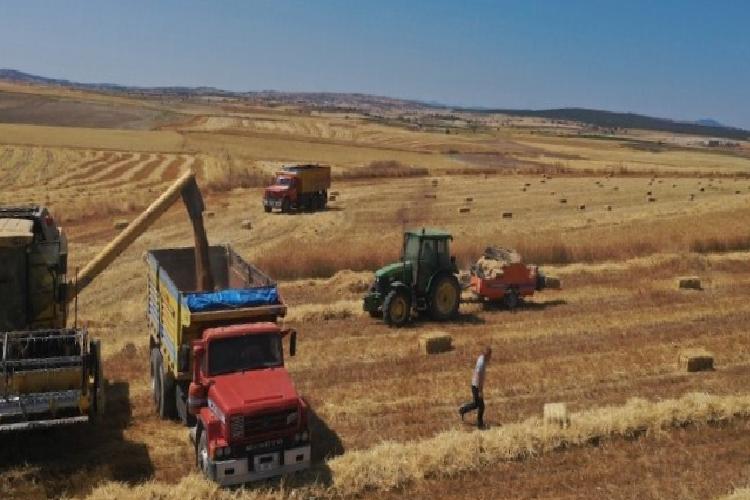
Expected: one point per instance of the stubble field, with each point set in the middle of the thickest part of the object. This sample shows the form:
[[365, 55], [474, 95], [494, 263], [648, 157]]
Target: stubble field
[[386, 421]]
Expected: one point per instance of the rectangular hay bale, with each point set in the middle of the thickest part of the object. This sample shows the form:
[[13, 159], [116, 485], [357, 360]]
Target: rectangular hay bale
[[464, 210], [435, 342], [556, 414], [696, 360], [689, 282]]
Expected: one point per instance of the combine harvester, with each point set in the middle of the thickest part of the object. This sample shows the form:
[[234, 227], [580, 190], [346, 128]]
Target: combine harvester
[[52, 375]]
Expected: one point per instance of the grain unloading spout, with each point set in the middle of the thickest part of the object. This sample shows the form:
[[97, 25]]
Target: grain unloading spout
[[187, 188]]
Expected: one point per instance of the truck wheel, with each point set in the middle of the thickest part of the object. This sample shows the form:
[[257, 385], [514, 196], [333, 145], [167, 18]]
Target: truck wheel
[[285, 205], [183, 414], [267, 209], [445, 296], [397, 308], [155, 389], [202, 459], [375, 313], [510, 299]]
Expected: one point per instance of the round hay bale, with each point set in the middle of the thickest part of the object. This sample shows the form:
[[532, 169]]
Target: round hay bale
[[246, 224]]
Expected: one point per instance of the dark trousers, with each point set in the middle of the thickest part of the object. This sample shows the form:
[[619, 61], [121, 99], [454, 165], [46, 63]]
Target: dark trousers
[[476, 404]]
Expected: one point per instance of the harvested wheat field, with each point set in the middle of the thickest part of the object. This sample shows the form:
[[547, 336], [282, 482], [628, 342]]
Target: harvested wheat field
[[385, 422]]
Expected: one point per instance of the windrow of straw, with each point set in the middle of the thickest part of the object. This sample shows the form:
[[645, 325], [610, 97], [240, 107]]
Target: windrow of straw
[[391, 465]]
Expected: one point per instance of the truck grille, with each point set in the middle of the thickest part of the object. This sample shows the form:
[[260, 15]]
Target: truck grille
[[268, 423]]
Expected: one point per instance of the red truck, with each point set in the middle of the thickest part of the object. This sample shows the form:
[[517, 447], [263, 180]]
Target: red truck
[[299, 187], [217, 364]]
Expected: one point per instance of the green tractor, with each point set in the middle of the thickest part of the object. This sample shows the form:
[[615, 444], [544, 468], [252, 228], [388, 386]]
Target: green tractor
[[425, 281]]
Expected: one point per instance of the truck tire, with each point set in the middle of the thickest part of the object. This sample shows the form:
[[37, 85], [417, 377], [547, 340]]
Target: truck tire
[[445, 296], [183, 414], [163, 387], [285, 205], [375, 313], [202, 459], [154, 365], [267, 209], [397, 308]]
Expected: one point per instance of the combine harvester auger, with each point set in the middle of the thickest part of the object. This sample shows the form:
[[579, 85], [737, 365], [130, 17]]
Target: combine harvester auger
[[52, 374]]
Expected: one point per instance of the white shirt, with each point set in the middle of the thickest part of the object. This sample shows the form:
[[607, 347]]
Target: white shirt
[[477, 380]]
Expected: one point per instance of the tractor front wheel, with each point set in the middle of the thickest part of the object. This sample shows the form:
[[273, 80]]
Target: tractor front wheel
[[511, 299], [445, 296], [397, 308]]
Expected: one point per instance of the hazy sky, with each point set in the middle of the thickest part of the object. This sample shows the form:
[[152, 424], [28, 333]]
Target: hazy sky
[[678, 59]]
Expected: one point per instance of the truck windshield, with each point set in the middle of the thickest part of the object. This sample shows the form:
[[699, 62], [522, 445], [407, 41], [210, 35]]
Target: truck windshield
[[283, 181], [248, 352]]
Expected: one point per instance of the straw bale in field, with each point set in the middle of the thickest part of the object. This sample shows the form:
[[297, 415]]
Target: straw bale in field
[[696, 360], [121, 224], [563, 200], [556, 415], [430, 196], [581, 207], [332, 197], [689, 282], [464, 210], [435, 342], [737, 192], [651, 200], [552, 282], [434, 182], [609, 208], [209, 214], [649, 193], [334, 193], [246, 224], [507, 215], [468, 199]]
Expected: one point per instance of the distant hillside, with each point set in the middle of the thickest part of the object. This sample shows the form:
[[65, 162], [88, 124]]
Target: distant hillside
[[611, 119], [378, 104]]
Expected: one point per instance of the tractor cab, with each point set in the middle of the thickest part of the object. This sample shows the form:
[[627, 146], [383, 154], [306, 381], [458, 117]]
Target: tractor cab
[[424, 280]]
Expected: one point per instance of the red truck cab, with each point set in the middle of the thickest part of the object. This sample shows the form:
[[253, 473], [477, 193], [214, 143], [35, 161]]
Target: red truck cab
[[251, 422], [282, 193]]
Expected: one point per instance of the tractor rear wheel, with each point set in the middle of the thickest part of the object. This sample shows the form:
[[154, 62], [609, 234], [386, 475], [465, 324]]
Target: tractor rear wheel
[[445, 295], [397, 308]]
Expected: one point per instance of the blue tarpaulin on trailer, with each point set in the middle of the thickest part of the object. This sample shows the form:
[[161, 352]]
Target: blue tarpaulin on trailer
[[233, 298]]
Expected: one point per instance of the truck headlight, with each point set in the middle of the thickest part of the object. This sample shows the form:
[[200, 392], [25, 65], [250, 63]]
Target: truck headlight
[[237, 426], [223, 452]]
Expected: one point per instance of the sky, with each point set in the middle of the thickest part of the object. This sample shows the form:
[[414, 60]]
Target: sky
[[677, 59]]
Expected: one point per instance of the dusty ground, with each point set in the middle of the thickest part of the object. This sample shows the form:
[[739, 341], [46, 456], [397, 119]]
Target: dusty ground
[[612, 333]]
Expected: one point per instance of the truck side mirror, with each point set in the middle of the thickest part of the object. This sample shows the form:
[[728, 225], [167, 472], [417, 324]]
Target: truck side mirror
[[293, 343]]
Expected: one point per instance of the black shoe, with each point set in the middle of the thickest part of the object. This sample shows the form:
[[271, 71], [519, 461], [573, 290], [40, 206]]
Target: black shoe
[[461, 413], [481, 426]]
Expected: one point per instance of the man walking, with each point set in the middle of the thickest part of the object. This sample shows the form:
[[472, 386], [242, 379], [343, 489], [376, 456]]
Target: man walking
[[477, 388]]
